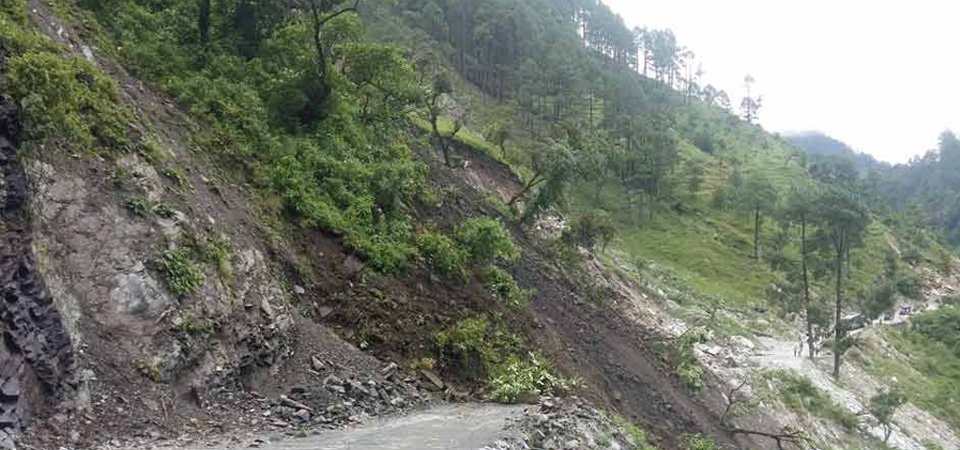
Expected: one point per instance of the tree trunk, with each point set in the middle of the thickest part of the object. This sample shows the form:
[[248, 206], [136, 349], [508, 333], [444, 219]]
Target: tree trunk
[[756, 233], [203, 21], [806, 283], [838, 326]]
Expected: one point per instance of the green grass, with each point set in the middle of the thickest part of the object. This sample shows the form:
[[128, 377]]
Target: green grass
[[926, 370], [695, 251], [182, 275], [799, 394]]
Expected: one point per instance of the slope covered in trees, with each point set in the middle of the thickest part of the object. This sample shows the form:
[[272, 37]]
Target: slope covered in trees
[[688, 184], [351, 121]]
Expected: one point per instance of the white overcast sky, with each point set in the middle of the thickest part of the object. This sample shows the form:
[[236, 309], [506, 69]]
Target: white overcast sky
[[882, 76]]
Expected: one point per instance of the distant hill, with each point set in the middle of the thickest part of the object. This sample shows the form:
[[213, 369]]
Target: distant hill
[[818, 143]]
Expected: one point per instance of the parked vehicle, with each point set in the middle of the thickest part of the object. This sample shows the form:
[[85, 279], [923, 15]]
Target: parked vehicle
[[906, 310], [854, 322], [889, 315]]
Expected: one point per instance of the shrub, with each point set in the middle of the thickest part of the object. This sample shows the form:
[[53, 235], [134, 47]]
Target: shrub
[[517, 378], [487, 352], [504, 287], [589, 230], [441, 253], [909, 286], [195, 326], [181, 275], [698, 442], [139, 205], [688, 369], [67, 99], [486, 240]]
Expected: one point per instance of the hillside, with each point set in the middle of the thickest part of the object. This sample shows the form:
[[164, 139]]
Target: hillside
[[232, 221], [817, 143]]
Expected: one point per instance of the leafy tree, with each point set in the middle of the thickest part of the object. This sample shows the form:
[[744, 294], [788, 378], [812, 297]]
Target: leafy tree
[[800, 211], [486, 240], [591, 229], [499, 134], [883, 405], [759, 197], [551, 165], [879, 299], [843, 221], [438, 91], [750, 105]]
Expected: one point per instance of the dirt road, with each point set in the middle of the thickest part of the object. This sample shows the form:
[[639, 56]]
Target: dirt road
[[447, 427]]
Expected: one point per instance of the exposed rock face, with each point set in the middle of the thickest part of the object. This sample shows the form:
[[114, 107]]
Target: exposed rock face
[[37, 363]]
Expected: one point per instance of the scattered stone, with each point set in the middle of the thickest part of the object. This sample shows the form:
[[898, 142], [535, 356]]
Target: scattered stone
[[303, 415], [287, 401], [299, 290], [434, 379]]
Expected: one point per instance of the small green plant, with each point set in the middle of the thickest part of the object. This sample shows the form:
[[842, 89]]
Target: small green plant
[[698, 442], [177, 175], [486, 240], [688, 369], [148, 367], [139, 205], [637, 435], [164, 211], [151, 150], [182, 276], [424, 363], [519, 377], [194, 325], [504, 287], [441, 253], [212, 251]]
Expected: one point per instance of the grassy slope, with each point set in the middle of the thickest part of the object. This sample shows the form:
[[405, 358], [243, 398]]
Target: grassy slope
[[928, 371]]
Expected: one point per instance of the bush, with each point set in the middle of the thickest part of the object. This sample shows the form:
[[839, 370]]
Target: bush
[[589, 230], [941, 325], [486, 240], [181, 275], [504, 287], [688, 368], [476, 347], [138, 205], [909, 286], [698, 442], [441, 253], [517, 378], [67, 99]]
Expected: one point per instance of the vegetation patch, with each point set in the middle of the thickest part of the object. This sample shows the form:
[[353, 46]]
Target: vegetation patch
[[486, 240], [688, 369], [799, 393], [65, 99], [183, 277], [441, 253], [502, 285], [485, 351]]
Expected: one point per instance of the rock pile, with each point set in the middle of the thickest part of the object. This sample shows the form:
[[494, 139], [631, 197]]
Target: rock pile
[[570, 423]]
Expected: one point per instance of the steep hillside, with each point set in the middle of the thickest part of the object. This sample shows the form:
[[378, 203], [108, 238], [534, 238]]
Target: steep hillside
[[232, 219], [198, 248]]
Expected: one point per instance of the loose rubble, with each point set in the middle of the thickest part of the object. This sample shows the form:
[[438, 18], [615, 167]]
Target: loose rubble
[[568, 423]]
